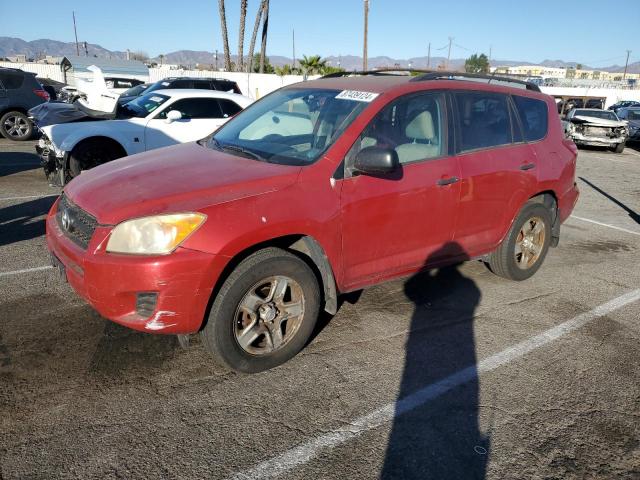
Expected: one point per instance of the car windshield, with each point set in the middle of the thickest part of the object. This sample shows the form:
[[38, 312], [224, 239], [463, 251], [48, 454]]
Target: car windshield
[[142, 106], [603, 114], [291, 127], [134, 91]]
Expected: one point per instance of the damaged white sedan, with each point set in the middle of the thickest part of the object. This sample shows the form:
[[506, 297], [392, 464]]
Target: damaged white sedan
[[595, 127], [76, 137]]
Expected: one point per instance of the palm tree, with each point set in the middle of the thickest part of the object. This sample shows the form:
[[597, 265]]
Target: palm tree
[[243, 17], [225, 35], [256, 25], [161, 56], [265, 26], [312, 65]]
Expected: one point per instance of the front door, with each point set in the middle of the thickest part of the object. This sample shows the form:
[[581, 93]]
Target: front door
[[200, 118], [397, 223]]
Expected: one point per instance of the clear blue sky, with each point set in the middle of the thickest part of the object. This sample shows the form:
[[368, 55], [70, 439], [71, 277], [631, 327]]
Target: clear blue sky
[[594, 32]]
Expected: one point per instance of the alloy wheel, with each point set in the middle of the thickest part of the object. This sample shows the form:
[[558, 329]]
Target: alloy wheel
[[269, 315], [530, 243], [16, 126]]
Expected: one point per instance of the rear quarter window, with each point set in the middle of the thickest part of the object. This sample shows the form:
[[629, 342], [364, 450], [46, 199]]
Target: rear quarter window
[[11, 80], [534, 116]]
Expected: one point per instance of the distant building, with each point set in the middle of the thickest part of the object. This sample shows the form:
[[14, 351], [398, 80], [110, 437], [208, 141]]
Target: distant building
[[17, 58], [568, 73]]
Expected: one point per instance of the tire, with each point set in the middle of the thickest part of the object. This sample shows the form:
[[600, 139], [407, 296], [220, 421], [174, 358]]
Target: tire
[[506, 262], [16, 126], [89, 154], [619, 148], [242, 332]]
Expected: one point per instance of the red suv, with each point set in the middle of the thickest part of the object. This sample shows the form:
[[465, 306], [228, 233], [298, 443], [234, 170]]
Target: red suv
[[318, 189]]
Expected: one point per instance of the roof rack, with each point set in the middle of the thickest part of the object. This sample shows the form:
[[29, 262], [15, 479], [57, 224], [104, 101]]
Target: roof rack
[[400, 72], [435, 75]]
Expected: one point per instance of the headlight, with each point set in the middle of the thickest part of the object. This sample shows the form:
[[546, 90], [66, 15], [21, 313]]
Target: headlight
[[154, 235]]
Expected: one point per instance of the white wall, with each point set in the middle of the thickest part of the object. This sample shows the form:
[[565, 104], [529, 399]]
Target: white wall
[[612, 95]]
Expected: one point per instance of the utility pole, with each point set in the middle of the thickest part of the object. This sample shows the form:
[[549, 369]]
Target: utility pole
[[429, 57], [626, 65], [216, 59], [75, 31], [449, 54], [366, 34], [294, 47]]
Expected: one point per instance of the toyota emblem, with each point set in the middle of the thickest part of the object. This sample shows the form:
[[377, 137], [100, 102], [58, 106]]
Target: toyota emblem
[[66, 220]]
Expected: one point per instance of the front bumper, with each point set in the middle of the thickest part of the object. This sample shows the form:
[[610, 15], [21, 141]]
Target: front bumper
[[110, 283], [580, 139], [52, 164]]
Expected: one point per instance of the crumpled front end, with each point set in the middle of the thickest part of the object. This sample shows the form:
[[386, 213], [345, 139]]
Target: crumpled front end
[[53, 161], [596, 134]]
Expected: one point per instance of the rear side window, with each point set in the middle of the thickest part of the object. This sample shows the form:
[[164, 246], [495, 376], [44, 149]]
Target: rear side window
[[534, 117], [202, 84], [11, 80], [181, 84], [229, 108], [484, 120]]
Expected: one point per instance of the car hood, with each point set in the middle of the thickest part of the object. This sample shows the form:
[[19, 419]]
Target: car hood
[[600, 122], [186, 177]]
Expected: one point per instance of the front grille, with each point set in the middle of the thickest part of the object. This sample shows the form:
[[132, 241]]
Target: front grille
[[76, 224], [598, 131]]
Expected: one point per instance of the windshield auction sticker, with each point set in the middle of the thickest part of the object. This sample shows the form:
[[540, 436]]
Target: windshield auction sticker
[[357, 96]]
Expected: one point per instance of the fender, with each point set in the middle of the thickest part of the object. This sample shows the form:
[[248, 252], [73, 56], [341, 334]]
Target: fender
[[66, 136]]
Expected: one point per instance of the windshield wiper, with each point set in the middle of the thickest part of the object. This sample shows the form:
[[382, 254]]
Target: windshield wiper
[[237, 149]]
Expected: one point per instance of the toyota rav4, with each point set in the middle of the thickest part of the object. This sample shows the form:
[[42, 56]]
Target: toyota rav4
[[318, 189]]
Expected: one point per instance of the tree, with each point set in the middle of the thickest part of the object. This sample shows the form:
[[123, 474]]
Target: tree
[[161, 57], [225, 35], [267, 67], [139, 55], [328, 69], [243, 18], [312, 65], [477, 64], [284, 70], [252, 45], [265, 27]]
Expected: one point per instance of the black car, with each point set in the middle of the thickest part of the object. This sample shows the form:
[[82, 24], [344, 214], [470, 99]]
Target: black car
[[624, 104], [221, 84], [133, 92], [52, 87], [19, 91], [632, 116]]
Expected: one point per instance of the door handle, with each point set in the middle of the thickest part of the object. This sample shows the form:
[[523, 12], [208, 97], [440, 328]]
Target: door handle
[[447, 181], [527, 166]]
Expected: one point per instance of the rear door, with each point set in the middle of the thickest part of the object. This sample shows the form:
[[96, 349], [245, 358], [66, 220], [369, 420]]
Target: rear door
[[200, 118], [4, 100], [395, 224], [497, 168]]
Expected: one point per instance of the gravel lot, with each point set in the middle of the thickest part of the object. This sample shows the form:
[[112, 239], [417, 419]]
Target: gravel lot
[[411, 379]]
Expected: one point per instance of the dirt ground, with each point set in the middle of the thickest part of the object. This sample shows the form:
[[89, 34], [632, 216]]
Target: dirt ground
[[438, 376]]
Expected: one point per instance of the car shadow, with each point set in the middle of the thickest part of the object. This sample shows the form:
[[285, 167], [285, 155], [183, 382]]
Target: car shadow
[[24, 221], [16, 162], [632, 213], [436, 432]]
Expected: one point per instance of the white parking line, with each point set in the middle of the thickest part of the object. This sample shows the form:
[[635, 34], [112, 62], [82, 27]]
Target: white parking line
[[26, 270], [28, 196], [605, 225], [306, 452]]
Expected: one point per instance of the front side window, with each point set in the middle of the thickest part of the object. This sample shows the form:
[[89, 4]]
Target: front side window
[[291, 126], [533, 116], [483, 119], [194, 108], [412, 126]]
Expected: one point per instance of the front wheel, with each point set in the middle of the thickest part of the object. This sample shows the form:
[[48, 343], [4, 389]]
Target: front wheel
[[619, 148], [525, 247], [264, 313]]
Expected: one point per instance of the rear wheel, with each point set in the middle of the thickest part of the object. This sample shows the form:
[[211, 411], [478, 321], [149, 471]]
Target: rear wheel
[[91, 153], [264, 313], [16, 126], [525, 247]]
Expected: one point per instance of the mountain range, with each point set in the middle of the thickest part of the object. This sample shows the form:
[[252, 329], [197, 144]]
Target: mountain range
[[35, 49]]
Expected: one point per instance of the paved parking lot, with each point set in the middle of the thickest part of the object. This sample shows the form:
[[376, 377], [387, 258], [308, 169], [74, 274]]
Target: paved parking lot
[[450, 374]]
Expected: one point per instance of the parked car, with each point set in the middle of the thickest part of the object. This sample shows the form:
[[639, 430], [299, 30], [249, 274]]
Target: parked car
[[221, 84], [117, 85], [132, 93], [632, 116], [52, 87], [154, 120], [19, 91], [317, 189], [624, 104], [595, 127]]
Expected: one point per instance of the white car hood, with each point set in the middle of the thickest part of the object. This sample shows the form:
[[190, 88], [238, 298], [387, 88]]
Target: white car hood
[[600, 122], [99, 97]]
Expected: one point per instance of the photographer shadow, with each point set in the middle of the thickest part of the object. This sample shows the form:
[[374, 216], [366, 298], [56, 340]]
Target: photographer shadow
[[436, 432]]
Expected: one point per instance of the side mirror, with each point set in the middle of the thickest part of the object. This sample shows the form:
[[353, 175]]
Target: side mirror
[[376, 161], [173, 115]]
